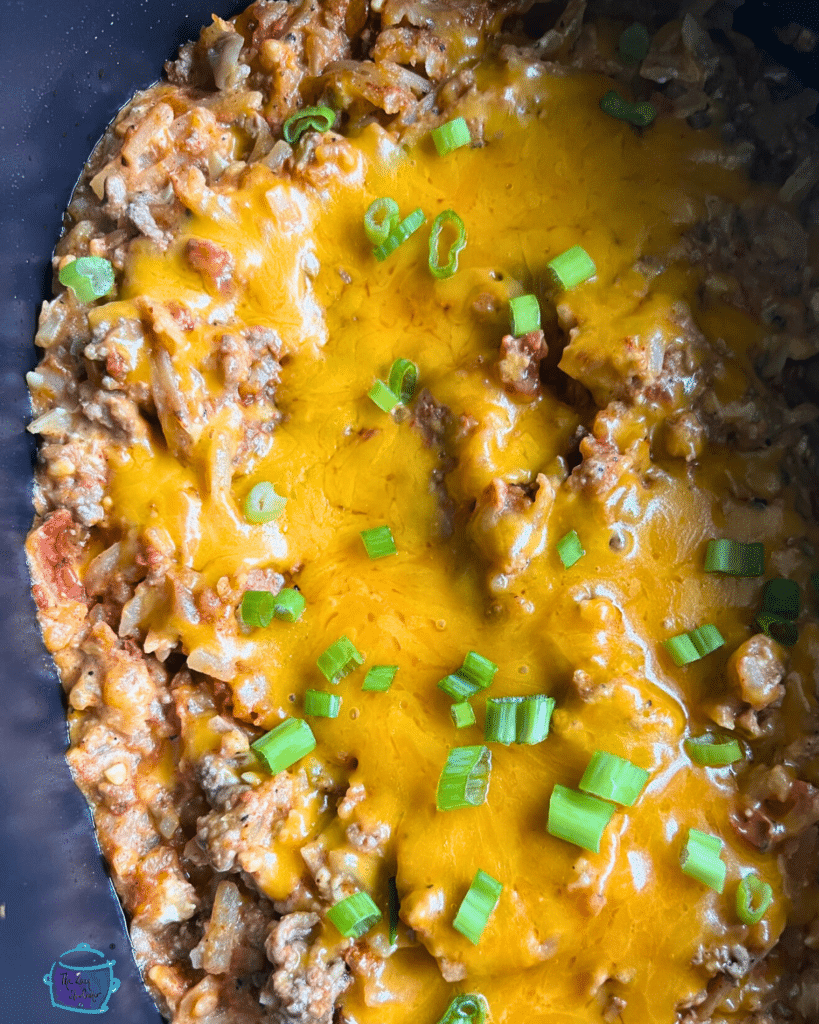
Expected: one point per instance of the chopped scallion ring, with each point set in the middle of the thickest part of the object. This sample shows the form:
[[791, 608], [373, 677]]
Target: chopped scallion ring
[[89, 277], [524, 313], [475, 909], [681, 649], [450, 265], [379, 678], [781, 597], [734, 558], [634, 43], [457, 687], [501, 725], [465, 1009], [754, 897], [320, 119], [289, 742], [380, 220], [379, 542], [711, 752], [394, 907], [464, 780], [534, 714], [572, 267], [263, 505], [478, 670], [289, 604], [706, 639], [451, 135], [782, 630], [383, 397], [462, 714], [613, 778], [257, 608], [700, 859], [569, 549], [639, 114], [408, 226], [321, 704], [354, 915], [403, 379], [578, 818], [339, 660]]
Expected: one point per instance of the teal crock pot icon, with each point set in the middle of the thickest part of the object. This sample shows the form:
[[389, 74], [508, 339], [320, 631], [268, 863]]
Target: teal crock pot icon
[[82, 980]]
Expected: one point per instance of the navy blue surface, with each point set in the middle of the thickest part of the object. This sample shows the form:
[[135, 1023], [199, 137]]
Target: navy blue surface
[[68, 66]]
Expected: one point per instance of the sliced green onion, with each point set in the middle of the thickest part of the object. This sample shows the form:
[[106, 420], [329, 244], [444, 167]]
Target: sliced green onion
[[380, 220], [451, 135], [383, 397], [753, 899], [480, 900], [257, 608], [681, 649], [339, 659], [379, 542], [706, 639], [640, 114], [321, 704], [89, 277], [634, 43], [501, 725], [289, 742], [534, 713], [393, 906], [263, 505], [320, 119], [734, 558], [782, 630], [578, 818], [448, 268], [613, 778], [570, 549], [572, 267], [408, 226], [478, 670], [462, 714], [354, 915], [781, 598], [289, 604], [469, 1008], [700, 859], [464, 780], [402, 380], [524, 313], [379, 678], [711, 752], [457, 687]]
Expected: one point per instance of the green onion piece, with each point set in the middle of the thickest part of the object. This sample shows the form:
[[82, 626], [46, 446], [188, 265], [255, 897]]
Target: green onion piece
[[711, 752], [480, 900], [339, 660], [781, 598], [734, 558], [385, 399], [448, 268], [782, 630], [288, 604], [466, 1009], [257, 608], [321, 704], [379, 678], [634, 43], [263, 505], [753, 899], [394, 906], [524, 313], [320, 119], [706, 639], [408, 226], [457, 687], [380, 220], [464, 780], [570, 549], [640, 114], [379, 542], [402, 380], [501, 725], [451, 135], [572, 267], [534, 714], [354, 915], [700, 859], [478, 670], [681, 649], [89, 277], [613, 778], [462, 714], [578, 818], [289, 742]]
